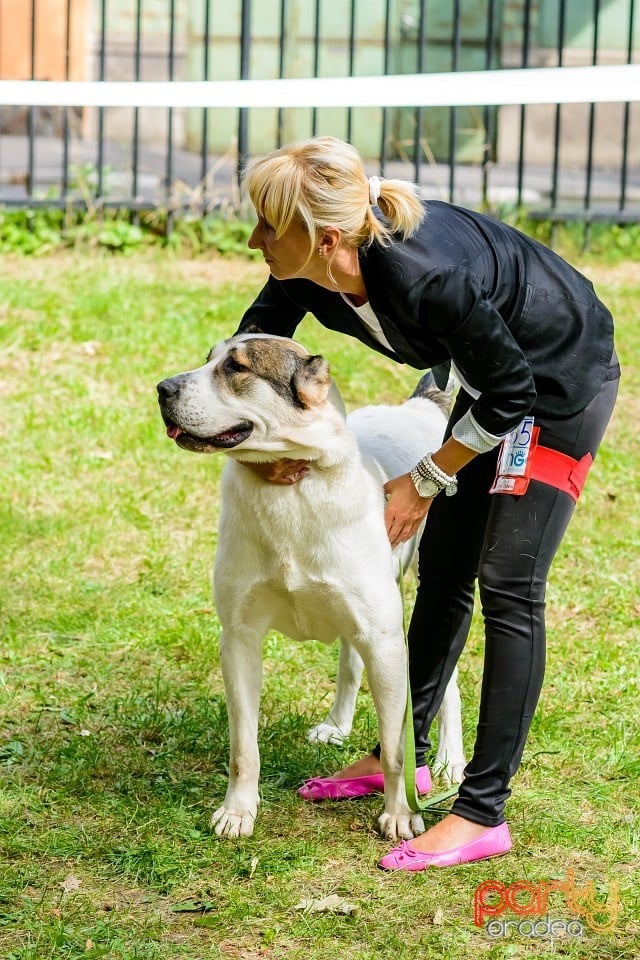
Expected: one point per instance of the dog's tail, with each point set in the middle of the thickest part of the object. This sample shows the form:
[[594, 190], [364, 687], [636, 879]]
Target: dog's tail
[[427, 389]]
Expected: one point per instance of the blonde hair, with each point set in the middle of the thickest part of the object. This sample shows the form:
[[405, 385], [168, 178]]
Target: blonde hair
[[322, 181]]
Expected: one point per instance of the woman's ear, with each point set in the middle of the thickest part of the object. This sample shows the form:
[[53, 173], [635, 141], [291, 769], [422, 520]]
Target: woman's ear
[[328, 240]]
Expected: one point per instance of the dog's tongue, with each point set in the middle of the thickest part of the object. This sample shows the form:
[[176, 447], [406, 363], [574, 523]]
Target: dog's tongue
[[174, 431]]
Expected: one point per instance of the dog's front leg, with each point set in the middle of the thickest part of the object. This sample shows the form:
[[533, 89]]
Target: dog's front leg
[[386, 666], [241, 660], [337, 726]]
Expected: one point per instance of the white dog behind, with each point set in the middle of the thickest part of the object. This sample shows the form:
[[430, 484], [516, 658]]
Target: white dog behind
[[389, 439], [312, 559]]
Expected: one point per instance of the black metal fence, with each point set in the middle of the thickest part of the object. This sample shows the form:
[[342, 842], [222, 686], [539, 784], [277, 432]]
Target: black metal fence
[[560, 161]]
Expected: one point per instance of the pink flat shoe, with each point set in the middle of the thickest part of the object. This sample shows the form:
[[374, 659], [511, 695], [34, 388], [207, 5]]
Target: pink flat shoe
[[329, 788], [492, 843]]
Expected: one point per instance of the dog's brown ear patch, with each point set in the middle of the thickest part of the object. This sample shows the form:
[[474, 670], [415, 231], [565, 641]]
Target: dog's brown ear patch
[[311, 381]]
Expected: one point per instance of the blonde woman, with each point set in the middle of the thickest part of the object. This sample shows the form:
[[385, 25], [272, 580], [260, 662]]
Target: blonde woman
[[436, 286]]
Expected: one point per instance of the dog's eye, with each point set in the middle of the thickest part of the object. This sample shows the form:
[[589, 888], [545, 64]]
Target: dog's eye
[[231, 365]]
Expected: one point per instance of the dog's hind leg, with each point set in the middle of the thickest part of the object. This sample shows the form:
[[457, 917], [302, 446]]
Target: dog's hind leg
[[450, 762], [241, 661], [337, 725]]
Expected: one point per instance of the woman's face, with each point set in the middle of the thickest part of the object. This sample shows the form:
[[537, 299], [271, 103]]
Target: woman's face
[[286, 256]]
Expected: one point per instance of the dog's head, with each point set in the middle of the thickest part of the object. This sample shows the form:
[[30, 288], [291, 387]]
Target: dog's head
[[255, 393]]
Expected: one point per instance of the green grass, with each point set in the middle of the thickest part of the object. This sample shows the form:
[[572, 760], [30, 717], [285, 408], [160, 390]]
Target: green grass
[[113, 731]]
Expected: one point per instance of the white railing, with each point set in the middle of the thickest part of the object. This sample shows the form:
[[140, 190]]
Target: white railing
[[597, 84]]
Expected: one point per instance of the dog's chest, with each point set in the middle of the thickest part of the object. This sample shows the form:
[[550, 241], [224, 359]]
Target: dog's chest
[[310, 567], [307, 608], [312, 592]]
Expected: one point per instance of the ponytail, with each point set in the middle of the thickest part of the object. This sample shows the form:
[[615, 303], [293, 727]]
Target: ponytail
[[400, 204], [323, 182]]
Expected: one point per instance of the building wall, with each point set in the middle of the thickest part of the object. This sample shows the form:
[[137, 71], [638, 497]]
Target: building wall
[[47, 60], [50, 61]]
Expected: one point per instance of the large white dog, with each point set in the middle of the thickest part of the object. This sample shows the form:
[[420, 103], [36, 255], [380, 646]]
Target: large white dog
[[312, 559]]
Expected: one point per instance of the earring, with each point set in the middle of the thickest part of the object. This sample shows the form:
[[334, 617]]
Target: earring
[[320, 253]]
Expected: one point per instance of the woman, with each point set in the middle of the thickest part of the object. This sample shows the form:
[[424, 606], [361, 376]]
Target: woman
[[434, 285]]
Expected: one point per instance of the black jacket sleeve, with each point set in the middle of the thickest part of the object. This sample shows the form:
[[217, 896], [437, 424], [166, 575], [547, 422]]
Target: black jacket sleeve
[[273, 311], [458, 312]]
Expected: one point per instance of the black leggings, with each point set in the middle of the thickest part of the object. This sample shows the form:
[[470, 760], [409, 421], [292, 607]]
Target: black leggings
[[507, 544]]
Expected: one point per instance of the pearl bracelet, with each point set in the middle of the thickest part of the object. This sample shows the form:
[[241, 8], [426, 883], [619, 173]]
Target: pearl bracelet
[[428, 470]]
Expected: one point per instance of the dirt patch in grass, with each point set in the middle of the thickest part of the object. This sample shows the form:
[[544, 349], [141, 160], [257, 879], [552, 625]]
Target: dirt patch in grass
[[216, 270], [626, 273], [220, 271]]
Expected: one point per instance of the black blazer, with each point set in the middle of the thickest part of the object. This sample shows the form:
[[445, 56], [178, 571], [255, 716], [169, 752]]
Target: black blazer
[[523, 327]]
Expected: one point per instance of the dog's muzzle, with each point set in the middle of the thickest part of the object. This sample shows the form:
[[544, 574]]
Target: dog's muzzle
[[169, 398]]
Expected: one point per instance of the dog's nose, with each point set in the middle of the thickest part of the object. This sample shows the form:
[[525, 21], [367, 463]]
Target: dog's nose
[[168, 388]]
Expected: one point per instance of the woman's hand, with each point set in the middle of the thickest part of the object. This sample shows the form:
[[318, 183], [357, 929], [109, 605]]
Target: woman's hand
[[280, 471], [405, 509]]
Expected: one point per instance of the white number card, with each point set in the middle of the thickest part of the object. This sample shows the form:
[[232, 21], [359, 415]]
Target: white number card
[[514, 459]]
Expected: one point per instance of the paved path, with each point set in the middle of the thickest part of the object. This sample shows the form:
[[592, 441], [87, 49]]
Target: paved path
[[185, 173]]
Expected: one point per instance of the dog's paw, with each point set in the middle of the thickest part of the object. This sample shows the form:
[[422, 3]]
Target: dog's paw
[[233, 823], [327, 733], [400, 827], [451, 773], [456, 773]]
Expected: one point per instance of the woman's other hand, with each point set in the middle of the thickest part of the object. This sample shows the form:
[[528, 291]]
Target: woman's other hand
[[405, 509], [280, 471]]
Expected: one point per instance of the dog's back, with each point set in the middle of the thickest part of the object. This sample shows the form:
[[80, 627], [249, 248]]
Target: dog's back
[[397, 437]]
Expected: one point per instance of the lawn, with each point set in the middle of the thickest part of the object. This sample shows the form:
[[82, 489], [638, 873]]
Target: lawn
[[113, 735]]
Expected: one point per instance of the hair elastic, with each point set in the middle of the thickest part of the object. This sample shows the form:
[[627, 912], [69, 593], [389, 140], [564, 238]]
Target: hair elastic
[[374, 190]]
